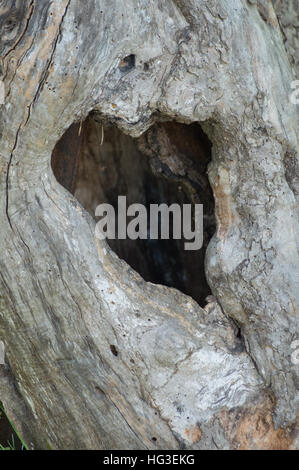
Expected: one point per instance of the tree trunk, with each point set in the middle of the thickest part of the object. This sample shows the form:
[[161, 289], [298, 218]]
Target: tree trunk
[[95, 356]]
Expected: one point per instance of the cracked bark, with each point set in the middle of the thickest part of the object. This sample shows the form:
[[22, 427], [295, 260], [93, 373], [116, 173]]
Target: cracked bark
[[183, 379]]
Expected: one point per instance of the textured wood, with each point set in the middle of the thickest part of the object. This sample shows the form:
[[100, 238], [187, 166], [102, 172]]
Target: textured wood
[[288, 17], [95, 356]]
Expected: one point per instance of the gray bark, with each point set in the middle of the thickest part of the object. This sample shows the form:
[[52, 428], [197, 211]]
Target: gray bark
[[288, 17], [95, 356]]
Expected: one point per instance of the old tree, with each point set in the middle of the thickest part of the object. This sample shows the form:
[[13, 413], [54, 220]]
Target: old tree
[[163, 98]]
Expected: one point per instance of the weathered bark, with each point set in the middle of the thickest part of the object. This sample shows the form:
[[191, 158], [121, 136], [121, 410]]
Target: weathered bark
[[95, 356], [288, 17]]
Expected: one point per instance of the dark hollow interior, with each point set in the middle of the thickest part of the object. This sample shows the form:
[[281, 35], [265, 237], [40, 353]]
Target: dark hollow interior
[[8, 436], [168, 164]]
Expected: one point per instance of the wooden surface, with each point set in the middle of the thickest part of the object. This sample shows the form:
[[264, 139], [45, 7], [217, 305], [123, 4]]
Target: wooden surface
[[183, 376]]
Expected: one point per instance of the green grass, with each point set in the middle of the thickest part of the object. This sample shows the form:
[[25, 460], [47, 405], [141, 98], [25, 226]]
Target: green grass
[[12, 444]]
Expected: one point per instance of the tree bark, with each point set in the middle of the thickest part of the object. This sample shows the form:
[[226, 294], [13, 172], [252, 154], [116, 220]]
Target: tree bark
[[95, 356]]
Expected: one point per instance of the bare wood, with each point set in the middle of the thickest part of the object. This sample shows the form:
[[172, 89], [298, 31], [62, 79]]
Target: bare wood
[[88, 367]]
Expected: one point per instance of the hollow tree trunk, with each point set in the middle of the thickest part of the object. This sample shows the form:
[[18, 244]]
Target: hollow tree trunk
[[95, 356]]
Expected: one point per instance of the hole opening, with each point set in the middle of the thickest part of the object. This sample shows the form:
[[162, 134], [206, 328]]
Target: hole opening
[[166, 165], [127, 63], [113, 350]]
